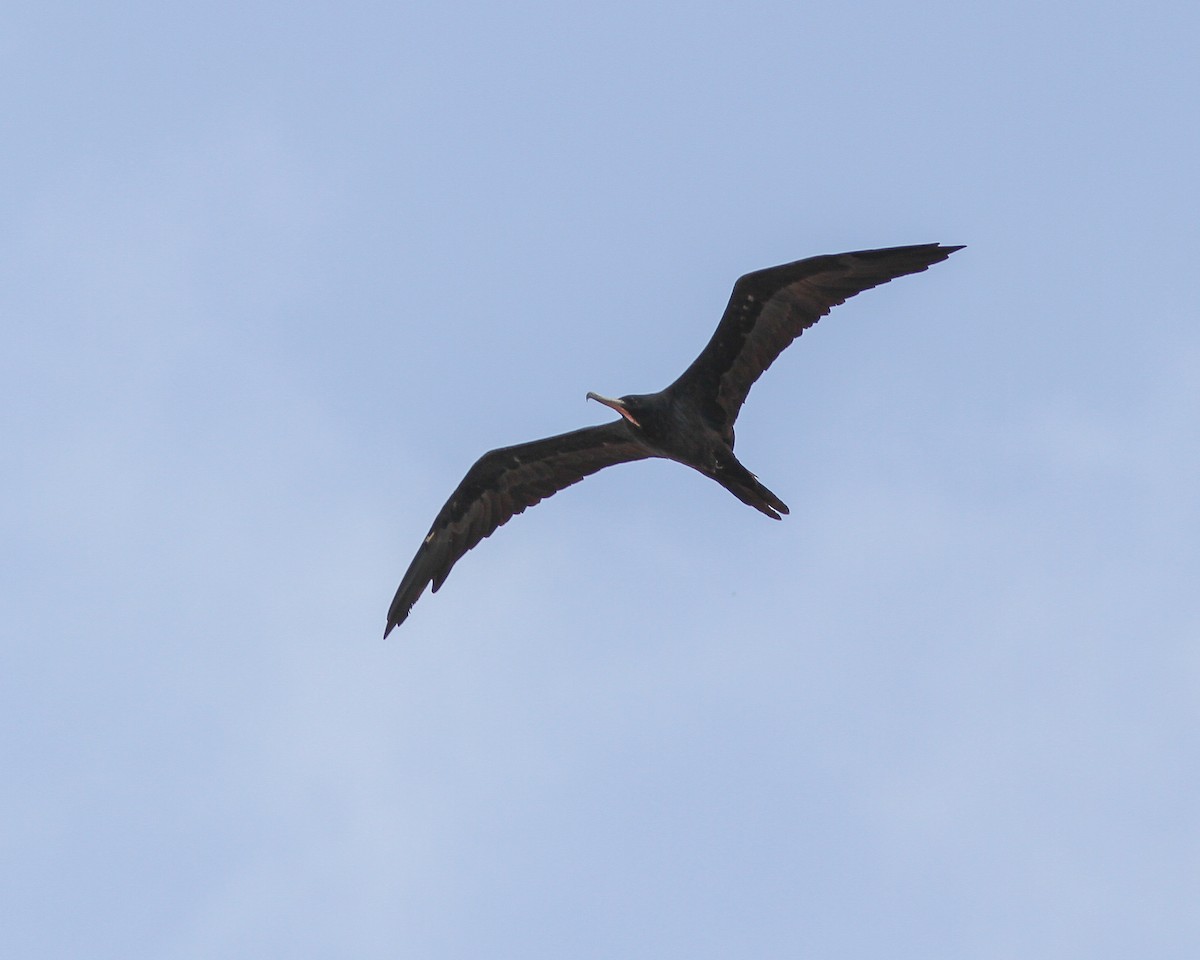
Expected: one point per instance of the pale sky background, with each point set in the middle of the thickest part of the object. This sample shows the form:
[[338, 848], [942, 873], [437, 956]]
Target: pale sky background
[[274, 275]]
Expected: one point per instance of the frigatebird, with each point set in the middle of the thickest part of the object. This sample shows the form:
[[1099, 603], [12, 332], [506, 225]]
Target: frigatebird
[[691, 421]]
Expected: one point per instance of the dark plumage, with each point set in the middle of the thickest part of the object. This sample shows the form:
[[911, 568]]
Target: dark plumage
[[691, 421]]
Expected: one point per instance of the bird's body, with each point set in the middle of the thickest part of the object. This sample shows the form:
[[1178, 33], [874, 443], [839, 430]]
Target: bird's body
[[668, 425], [690, 422]]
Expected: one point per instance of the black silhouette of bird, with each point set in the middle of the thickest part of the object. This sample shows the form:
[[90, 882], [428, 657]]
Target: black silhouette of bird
[[691, 421]]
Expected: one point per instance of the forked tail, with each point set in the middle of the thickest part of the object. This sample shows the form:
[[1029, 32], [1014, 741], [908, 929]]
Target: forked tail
[[746, 487]]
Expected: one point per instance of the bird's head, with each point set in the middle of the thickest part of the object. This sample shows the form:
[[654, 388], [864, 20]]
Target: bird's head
[[630, 407]]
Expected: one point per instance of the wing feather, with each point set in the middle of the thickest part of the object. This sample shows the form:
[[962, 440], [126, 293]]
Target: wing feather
[[502, 484], [770, 308]]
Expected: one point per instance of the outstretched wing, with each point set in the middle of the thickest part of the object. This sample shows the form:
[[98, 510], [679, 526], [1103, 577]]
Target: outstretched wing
[[770, 308], [500, 485]]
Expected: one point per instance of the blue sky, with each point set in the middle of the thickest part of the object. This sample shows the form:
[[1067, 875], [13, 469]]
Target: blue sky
[[275, 275]]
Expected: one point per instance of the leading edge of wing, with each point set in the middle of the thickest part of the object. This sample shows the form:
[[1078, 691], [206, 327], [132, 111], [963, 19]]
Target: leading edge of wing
[[501, 484]]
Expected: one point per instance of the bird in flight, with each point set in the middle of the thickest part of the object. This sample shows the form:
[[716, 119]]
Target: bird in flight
[[691, 421]]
